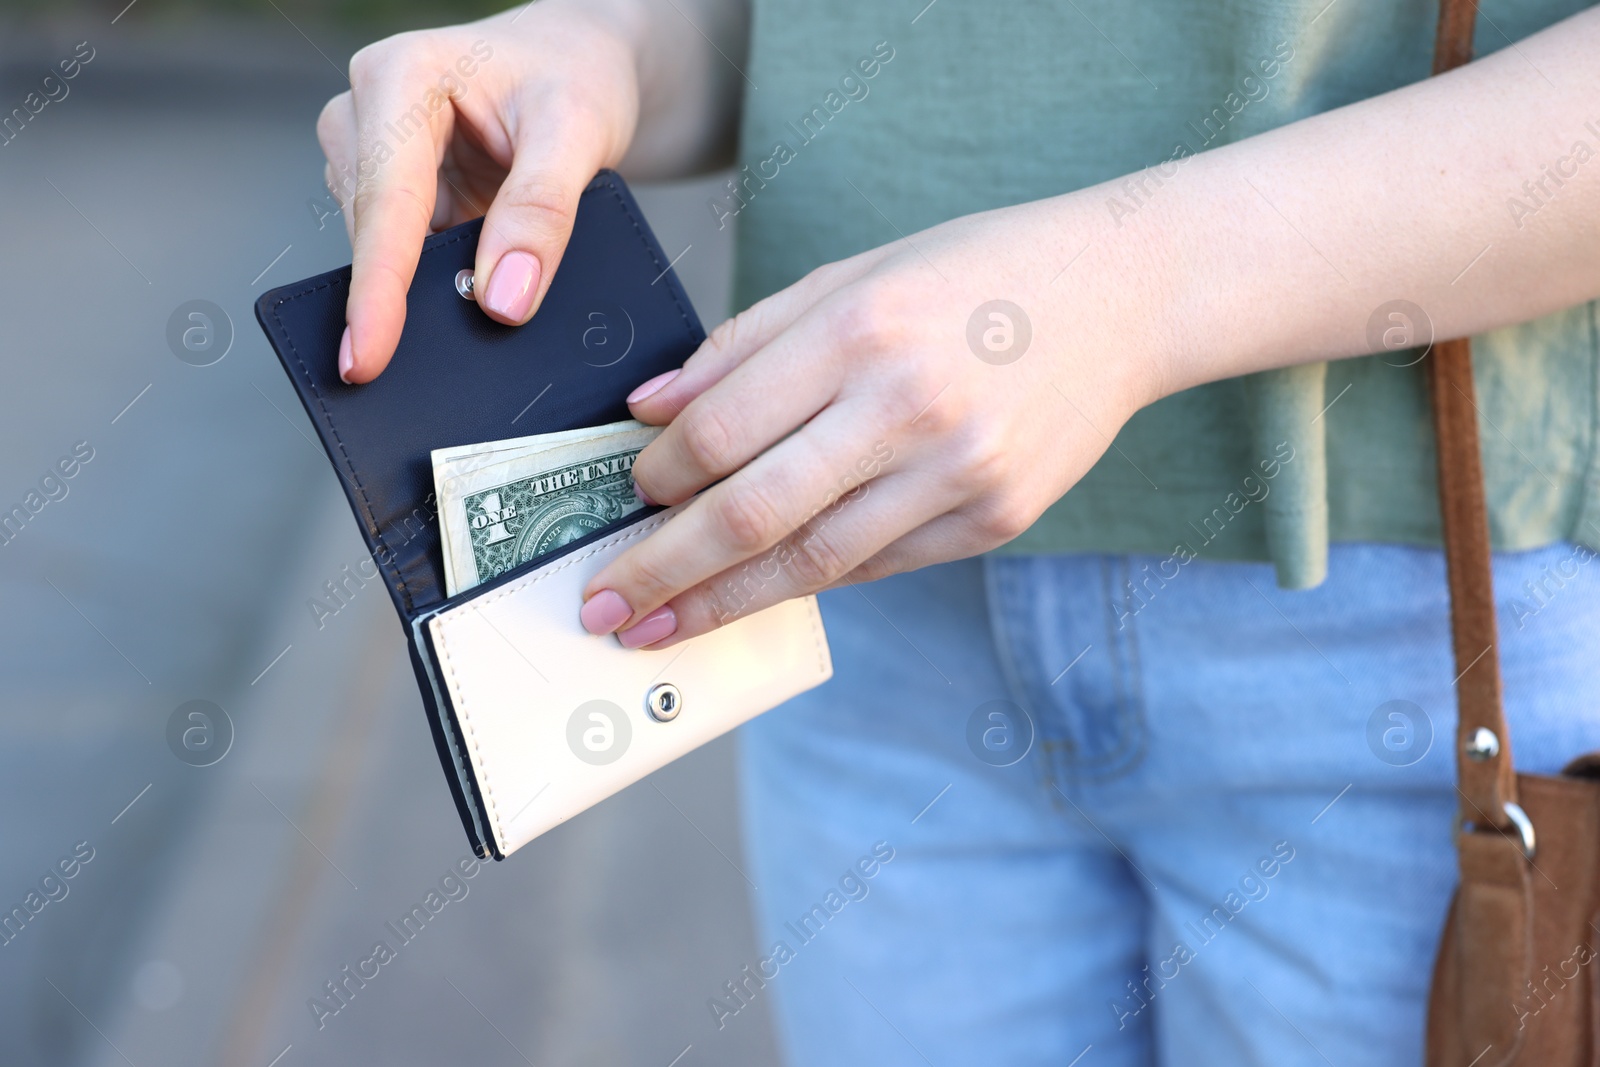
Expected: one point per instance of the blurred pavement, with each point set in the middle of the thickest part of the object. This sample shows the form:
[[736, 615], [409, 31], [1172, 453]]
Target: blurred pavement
[[178, 566]]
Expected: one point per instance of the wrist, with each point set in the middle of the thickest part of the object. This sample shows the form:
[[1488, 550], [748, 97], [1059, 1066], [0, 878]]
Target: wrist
[[683, 87], [1200, 292], [1120, 289], [630, 23]]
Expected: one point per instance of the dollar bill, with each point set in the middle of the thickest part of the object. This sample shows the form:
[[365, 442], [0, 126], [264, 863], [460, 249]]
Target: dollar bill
[[464, 459], [504, 503]]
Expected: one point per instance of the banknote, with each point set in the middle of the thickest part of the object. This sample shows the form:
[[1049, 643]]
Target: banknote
[[504, 503], [463, 459]]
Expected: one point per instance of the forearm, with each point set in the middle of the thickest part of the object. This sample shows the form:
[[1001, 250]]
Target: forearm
[[1278, 249], [690, 55], [987, 363]]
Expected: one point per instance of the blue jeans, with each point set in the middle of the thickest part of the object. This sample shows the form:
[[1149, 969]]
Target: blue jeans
[[1034, 814]]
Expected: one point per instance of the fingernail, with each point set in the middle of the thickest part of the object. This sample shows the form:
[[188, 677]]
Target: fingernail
[[512, 286], [604, 612], [644, 497], [653, 386], [347, 359], [659, 625]]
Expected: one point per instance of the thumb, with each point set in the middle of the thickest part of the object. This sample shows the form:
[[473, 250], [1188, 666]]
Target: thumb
[[527, 227]]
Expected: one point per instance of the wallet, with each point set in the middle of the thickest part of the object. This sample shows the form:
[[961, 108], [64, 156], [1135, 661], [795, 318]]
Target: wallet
[[534, 719]]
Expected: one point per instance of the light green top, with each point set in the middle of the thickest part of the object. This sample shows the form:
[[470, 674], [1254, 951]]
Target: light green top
[[975, 104]]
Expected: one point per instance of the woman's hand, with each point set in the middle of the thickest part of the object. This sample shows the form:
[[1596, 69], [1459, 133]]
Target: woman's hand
[[918, 403], [511, 117], [862, 427]]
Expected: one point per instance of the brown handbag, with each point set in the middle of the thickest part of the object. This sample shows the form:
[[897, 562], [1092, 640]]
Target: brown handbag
[[1515, 979]]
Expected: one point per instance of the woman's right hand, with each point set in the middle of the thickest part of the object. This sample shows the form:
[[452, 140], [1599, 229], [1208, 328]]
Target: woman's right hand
[[510, 118]]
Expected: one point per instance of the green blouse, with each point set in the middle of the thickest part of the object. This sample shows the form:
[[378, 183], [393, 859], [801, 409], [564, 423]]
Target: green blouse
[[959, 106]]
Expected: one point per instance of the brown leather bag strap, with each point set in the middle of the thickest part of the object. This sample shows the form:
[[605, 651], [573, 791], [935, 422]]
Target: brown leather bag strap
[[1452, 47], [1486, 957], [1487, 779]]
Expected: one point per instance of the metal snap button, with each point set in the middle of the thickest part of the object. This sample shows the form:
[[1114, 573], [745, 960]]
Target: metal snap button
[[663, 702], [464, 283], [1482, 745]]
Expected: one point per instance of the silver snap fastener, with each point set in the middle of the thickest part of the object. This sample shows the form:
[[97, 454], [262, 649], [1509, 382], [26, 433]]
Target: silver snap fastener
[[464, 283], [1483, 745], [663, 702]]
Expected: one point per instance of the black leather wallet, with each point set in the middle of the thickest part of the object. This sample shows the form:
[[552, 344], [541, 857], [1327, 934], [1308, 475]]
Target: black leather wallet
[[615, 315]]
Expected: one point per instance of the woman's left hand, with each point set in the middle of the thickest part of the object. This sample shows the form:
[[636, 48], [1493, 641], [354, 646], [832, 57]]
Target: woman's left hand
[[889, 412], [921, 402]]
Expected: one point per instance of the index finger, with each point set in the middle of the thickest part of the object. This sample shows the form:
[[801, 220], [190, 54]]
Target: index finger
[[396, 190]]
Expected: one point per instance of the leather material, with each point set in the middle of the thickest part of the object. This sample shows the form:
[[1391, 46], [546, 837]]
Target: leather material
[[1487, 785], [1480, 981], [615, 315], [1516, 978], [1514, 982], [520, 675]]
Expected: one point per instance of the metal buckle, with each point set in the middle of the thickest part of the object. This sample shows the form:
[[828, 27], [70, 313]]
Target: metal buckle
[[1519, 820]]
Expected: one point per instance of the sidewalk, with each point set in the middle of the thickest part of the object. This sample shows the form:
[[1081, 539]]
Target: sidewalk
[[221, 899]]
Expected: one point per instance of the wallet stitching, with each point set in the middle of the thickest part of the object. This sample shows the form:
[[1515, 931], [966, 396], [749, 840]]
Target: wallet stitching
[[472, 735], [819, 637], [349, 462], [538, 576], [355, 476], [638, 230], [457, 690], [441, 640]]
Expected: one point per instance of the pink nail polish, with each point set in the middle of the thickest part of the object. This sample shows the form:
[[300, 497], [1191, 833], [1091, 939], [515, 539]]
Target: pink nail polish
[[659, 625], [512, 286], [604, 612], [653, 386], [644, 497], [347, 359]]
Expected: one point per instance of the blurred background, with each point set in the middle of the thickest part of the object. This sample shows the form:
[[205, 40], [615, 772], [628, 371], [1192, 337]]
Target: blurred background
[[178, 563]]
